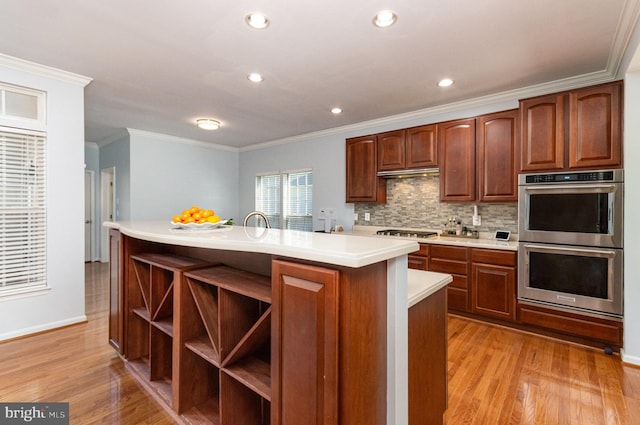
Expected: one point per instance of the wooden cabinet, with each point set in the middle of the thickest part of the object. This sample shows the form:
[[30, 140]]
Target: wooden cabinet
[[595, 127], [493, 283], [453, 260], [419, 260], [362, 182], [497, 137], [391, 150], [580, 129], [415, 147], [478, 158], [305, 349], [457, 147], [428, 360], [116, 326], [593, 330], [422, 146]]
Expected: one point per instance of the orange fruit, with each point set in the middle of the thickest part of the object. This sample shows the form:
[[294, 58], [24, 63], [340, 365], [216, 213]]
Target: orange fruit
[[186, 212], [176, 219], [206, 213], [185, 215], [197, 216], [189, 220], [194, 209]]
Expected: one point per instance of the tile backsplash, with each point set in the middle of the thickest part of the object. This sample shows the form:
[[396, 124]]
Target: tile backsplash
[[415, 202]]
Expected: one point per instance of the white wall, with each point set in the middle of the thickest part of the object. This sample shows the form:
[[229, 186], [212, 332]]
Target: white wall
[[631, 352], [170, 174], [64, 303], [116, 154]]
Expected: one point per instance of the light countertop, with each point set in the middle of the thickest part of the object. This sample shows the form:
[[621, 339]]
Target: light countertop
[[482, 242], [341, 249], [421, 284]]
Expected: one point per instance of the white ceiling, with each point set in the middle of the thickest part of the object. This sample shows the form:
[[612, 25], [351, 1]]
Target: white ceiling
[[157, 65]]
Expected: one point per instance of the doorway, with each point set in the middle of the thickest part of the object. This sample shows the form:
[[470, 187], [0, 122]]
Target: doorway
[[89, 215], [107, 210]]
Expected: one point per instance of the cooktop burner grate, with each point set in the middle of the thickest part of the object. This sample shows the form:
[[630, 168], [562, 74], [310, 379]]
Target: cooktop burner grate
[[407, 233]]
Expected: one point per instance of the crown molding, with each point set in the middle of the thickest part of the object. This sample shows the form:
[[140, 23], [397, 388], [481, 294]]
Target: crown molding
[[43, 70], [425, 115], [175, 139], [119, 135]]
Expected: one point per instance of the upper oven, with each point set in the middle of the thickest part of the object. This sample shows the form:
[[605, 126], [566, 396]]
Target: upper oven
[[576, 208]]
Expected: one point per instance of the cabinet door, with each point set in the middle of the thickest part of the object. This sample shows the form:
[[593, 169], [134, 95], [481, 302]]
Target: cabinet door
[[422, 146], [542, 146], [304, 345], [456, 140], [496, 143], [363, 184], [595, 127], [493, 283], [116, 329], [391, 150]]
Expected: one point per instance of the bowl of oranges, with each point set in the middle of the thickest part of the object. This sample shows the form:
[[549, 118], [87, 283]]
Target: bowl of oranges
[[197, 218]]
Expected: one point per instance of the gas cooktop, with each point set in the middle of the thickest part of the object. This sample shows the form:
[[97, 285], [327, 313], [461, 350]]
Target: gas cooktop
[[407, 233]]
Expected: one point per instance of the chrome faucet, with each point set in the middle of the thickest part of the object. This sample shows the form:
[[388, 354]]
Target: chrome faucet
[[258, 213]]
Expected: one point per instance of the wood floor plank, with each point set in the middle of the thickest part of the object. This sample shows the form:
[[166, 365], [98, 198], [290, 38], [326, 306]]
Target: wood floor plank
[[496, 375]]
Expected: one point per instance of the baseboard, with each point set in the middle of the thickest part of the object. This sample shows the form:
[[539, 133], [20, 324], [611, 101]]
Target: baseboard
[[21, 333], [633, 360]]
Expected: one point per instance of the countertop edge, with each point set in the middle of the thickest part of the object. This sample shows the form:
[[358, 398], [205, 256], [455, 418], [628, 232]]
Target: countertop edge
[[422, 284]]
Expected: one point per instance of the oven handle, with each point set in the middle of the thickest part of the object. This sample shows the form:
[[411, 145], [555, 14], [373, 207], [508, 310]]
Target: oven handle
[[574, 250], [579, 187]]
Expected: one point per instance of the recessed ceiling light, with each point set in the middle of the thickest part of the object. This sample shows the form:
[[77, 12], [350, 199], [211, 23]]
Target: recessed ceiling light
[[336, 110], [445, 82], [208, 124], [257, 21], [384, 18], [255, 77]]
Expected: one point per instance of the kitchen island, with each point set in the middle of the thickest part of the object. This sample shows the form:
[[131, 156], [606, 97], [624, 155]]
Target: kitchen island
[[253, 325]]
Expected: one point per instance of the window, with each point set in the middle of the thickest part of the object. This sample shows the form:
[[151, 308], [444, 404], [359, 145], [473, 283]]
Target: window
[[22, 211], [285, 198]]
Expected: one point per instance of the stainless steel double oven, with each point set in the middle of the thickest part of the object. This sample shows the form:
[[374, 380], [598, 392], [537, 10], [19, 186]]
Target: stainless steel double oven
[[570, 229]]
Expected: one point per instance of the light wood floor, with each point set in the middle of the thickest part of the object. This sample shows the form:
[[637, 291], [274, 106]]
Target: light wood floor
[[496, 375]]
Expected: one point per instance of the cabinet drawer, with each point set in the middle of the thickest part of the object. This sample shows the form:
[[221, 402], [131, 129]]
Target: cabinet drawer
[[418, 262], [448, 266], [457, 299], [608, 331], [449, 252], [459, 282], [493, 256], [423, 251]]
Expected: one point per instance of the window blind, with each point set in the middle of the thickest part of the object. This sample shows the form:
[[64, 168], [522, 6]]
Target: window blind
[[287, 195], [22, 209]]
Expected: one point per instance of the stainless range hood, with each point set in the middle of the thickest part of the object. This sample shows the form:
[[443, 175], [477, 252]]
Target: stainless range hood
[[415, 172]]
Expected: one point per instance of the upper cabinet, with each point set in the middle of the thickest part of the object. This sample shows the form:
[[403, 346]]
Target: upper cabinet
[[478, 158], [577, 129], [497, 137], [415, 147], [363, 184], [457, 146]]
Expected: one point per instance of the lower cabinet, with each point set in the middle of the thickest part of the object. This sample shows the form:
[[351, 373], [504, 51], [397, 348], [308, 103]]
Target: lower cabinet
[[493, 283], [453, 260], [305, 347]]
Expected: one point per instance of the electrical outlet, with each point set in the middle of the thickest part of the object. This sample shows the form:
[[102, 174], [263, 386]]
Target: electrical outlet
[[477, 220], [367, 217], [355, 216], [322, 214]]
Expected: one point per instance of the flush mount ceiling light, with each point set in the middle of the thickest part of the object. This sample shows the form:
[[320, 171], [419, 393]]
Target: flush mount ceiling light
[[336, 110], [257, 21], [208, 124], [445, 82], [384, 18], [255, 77]]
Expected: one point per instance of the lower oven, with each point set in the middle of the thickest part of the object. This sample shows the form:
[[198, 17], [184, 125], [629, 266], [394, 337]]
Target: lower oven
[[576, 277]]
